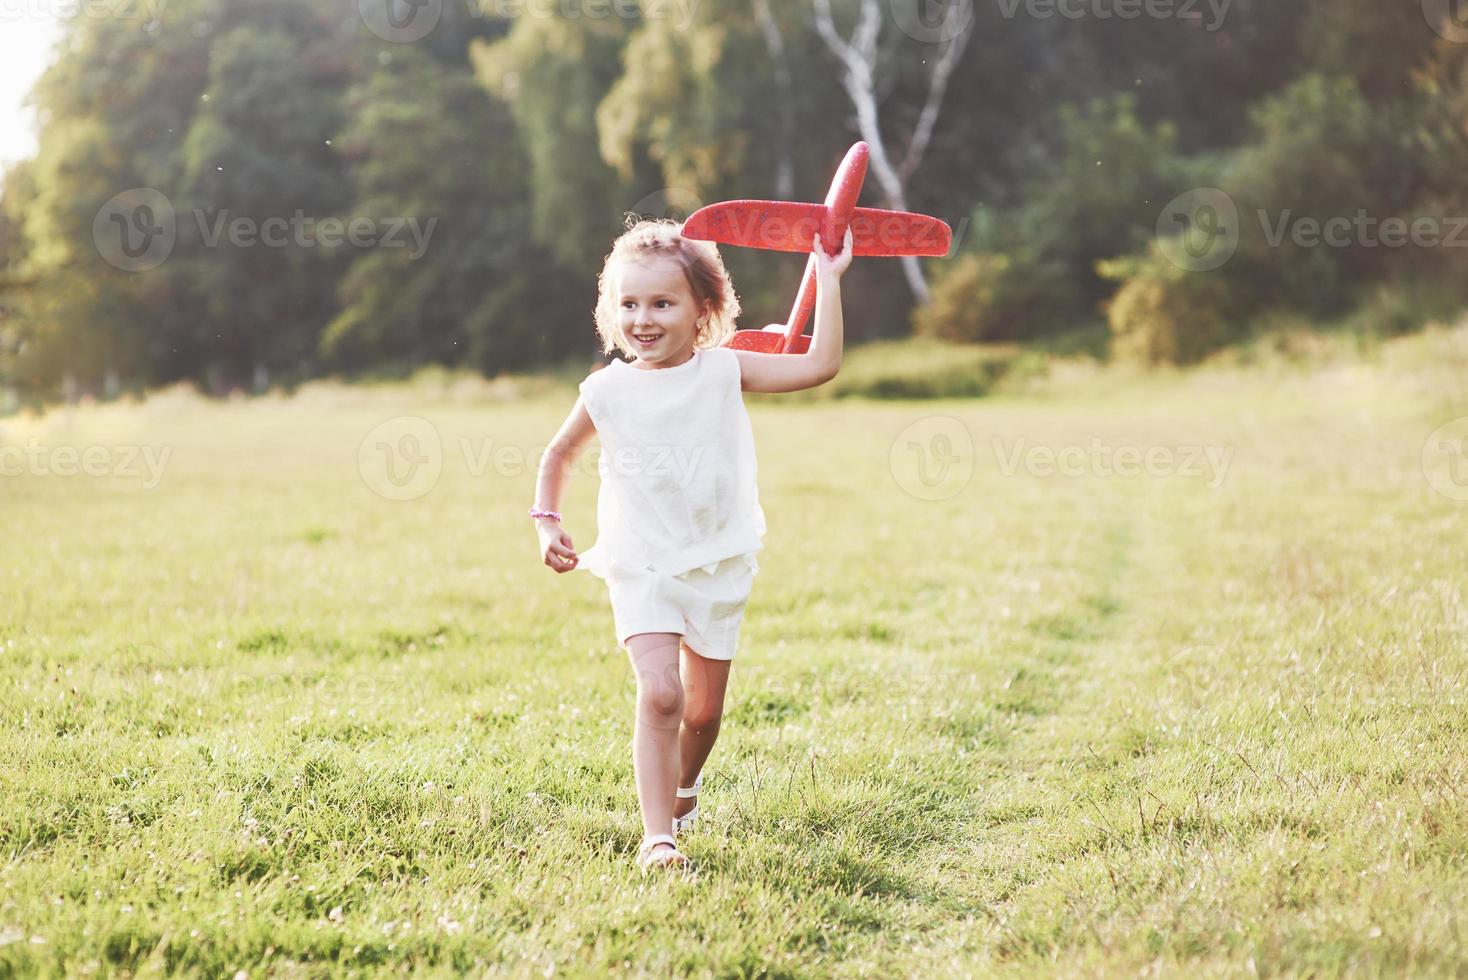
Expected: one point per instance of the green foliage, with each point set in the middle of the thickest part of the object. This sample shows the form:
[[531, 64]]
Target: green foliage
[[16, 192], [1320, 147], [525, 139], [1377, 43], [552, 72], [1404, 305], [463, 299], [984, 296], [256, 151], [1323, 153], [1162, 314], [1097, 194], [673, 96], [1100, 191], [921, 368], [1442, 136], [78, 320]]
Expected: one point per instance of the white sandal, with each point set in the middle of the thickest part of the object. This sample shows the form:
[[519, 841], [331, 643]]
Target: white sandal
[[687, 792], [645, 860]]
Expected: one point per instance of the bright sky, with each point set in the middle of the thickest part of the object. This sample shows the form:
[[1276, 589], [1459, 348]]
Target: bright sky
[[27, 33]]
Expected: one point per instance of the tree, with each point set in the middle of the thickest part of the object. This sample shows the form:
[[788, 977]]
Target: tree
[[261, 149], [551, 71], [474, 295], [859, 61]]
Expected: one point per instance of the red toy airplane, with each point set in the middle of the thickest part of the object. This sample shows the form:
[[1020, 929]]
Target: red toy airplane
[[788, 226]]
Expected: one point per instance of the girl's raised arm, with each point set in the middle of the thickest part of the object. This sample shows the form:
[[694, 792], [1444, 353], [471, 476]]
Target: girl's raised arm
[[794, 372]]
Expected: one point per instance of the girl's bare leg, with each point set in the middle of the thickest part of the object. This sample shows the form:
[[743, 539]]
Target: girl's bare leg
[[704, 684], [655, 734]]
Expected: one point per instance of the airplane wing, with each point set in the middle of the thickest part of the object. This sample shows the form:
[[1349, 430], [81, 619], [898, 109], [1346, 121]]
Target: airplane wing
[[788, 226]]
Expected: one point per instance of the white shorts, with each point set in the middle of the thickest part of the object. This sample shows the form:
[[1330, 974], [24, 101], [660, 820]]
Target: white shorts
[[706, 608]]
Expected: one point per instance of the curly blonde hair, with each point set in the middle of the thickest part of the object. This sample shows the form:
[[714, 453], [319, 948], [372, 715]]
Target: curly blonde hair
[[713, 293]]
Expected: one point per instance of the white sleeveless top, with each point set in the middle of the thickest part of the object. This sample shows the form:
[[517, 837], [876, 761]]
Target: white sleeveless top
[[677, 467]]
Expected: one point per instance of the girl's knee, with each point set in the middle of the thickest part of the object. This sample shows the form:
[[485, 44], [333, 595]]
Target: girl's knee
[[659, 685], [660, 701], [702, 716]]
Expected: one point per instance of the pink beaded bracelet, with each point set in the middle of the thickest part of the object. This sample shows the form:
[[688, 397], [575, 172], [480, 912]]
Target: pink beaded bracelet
[[537, 512]]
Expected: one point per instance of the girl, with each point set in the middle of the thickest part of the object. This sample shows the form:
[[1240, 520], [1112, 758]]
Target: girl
[[678, 514]]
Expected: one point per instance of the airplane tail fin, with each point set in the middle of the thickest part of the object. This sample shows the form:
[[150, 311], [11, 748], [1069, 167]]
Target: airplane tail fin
[[771, 340]]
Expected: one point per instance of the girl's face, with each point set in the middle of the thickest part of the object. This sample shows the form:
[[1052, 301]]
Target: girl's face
[[656, 311]]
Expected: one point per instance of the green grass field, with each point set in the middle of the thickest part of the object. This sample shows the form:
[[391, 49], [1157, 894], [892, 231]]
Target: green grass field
[[1001, 703]]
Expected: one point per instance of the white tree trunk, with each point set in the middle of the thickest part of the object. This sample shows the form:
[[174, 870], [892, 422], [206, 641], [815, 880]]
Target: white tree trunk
[[859, 59]]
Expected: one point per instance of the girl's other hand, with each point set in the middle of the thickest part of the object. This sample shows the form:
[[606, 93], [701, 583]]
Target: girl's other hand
[[556, 549], [831, 267]]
